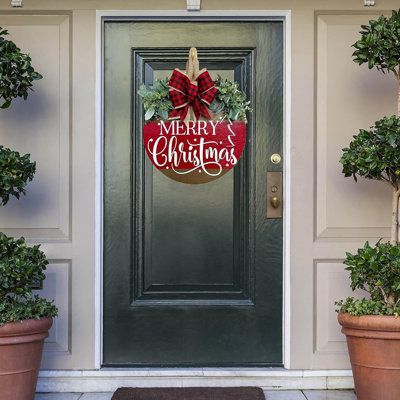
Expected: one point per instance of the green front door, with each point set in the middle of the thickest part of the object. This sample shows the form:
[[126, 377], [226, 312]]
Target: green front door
[[192, 273]]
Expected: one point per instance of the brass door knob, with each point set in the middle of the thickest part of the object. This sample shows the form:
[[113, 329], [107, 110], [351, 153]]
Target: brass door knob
[[275, 202], [274, 195], [276, 158]]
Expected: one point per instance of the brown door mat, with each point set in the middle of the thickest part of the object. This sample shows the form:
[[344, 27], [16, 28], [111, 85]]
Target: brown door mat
[[190, 393]]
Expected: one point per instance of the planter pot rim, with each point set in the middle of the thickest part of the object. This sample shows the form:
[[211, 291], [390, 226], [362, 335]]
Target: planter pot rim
[[385, 323], [26, 327]]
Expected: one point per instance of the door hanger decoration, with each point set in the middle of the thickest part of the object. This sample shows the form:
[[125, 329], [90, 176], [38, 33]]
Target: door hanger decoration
[[195, 128]]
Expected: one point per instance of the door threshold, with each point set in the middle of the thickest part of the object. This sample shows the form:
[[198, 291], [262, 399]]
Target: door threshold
[[193, 366], [108, 380]]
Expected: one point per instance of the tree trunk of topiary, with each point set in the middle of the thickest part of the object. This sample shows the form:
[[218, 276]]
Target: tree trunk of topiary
[[398, 94], [395, 217], [396, 192]]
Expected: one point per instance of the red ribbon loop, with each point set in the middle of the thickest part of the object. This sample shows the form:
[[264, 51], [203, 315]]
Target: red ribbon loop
[[185, 94]]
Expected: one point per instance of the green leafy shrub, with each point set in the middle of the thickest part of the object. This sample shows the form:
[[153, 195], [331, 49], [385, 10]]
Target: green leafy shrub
[[358, 307], [14, 310], [375, 269], [16, 72], [375, 154], [15, 172], [379, 44], [21, 266]]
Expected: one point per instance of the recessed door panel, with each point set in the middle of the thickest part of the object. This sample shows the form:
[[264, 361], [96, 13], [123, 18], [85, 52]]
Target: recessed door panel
[[196, 245]]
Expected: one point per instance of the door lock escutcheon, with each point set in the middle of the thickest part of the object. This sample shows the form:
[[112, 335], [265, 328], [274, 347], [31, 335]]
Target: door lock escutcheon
[[274, 195]]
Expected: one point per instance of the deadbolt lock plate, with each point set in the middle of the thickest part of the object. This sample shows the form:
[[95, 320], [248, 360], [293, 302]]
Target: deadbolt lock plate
[[274, 195]]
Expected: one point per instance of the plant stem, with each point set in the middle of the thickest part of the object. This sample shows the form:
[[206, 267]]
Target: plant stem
[[397, 302], [398, 95], [396, 223], [384, 295], [395, 217]]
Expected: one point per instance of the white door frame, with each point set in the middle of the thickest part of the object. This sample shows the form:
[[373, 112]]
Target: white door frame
[[234, 15]]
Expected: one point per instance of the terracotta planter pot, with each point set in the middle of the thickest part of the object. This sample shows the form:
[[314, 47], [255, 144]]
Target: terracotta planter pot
[[21, 345], [374, 348]]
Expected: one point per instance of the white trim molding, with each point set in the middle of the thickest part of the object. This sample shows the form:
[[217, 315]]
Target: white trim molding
[[109, 380], [220, 377], [193, 5], [16, 3]]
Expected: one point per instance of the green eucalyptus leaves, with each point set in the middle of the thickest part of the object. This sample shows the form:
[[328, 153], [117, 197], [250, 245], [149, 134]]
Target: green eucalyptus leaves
[[16, 72], [230, 101], [155, 99]]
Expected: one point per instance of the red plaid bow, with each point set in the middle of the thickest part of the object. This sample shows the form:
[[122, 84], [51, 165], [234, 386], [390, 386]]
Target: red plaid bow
[[184, 94]]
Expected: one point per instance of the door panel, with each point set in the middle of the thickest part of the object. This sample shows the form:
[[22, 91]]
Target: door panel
[[200, 232], [192, 273]]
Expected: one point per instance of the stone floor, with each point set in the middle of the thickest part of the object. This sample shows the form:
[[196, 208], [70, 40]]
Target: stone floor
[[270, 395]]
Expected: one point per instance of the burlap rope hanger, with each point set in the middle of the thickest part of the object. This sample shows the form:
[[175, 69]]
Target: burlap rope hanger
[[192, 65], [192, 71]]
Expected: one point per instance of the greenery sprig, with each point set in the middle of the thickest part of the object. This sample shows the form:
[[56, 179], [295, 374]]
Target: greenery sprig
[[15, 172], [156, 101], [230, 103], [16, 72]]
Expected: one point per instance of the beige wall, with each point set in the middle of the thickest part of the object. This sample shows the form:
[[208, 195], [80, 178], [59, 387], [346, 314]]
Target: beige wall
[[331, 99], [57, 125]]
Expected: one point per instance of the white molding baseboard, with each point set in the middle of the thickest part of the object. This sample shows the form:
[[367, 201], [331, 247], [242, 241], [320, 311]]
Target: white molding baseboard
[[108, 380]]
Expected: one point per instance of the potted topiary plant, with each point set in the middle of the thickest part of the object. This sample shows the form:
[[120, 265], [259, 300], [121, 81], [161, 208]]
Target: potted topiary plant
[[16, 71], [372, 325], [25, 319]]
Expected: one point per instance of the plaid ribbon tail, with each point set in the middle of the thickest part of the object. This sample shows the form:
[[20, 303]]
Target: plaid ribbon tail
[[200, 109]]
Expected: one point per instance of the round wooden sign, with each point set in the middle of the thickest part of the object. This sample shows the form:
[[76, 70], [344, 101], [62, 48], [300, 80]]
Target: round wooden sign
[[194, 151]]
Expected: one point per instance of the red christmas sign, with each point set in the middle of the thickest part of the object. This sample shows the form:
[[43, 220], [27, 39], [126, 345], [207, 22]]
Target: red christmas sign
[[195, 142], [194, 151]]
